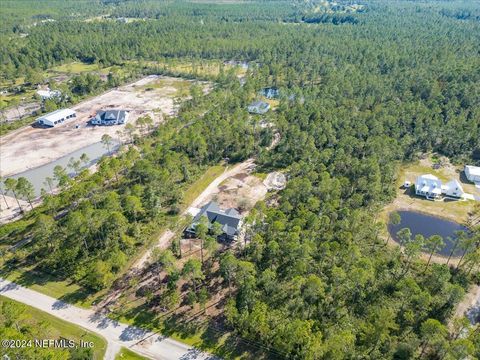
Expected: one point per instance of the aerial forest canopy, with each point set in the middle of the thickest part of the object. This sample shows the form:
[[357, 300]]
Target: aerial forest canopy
[[372, 86]]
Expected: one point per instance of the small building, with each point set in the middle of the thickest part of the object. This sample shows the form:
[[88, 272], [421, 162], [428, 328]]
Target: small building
[[56, 117], [453, 189], [49, 94], [429, 186], [229, 220], [258, 107], [473, 173], [270, 93], [110, 117]]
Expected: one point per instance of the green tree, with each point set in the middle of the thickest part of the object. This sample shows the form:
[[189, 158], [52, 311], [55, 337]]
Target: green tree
[[404, 236], [192, 270], [25, 189], [107, 142], [203, 298], [433, 335], [11, 185], [433, 244]]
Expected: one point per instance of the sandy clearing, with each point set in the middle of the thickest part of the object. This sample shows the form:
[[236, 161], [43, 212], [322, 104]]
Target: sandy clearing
[[29, 147], [212, 189], [9, 209], [241, 192], [468, 302]]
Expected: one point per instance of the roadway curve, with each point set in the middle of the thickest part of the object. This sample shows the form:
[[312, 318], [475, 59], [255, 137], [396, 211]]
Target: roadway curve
[[143, 342]]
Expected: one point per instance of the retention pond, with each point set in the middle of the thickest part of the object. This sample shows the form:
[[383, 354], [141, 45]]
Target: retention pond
[[38, 175], [428, 225]]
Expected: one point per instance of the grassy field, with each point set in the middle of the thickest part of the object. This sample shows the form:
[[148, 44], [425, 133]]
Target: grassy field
[[126, 354], [58, 328], [203, 68], [7, 100], [76, 68], [273, 102], [181, 86], [49, 285], [198, 186]]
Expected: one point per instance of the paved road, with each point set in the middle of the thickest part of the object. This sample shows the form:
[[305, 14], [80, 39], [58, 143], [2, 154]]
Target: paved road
[[146, 343], [117, 334]]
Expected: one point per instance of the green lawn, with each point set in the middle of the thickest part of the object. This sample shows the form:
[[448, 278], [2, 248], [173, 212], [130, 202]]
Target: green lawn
[[58, 328], [261, 175], [126, 354], [51, 286], [75, 68], [198, 186]]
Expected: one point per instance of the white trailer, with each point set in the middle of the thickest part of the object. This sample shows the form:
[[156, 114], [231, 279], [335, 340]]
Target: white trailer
[[56, 117], [473, 173]]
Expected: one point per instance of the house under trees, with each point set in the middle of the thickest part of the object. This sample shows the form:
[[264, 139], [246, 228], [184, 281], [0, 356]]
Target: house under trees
[[229, 220]]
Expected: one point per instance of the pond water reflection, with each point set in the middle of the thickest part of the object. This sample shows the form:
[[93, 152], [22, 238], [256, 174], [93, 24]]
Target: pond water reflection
[[428, 225], [38, 175]]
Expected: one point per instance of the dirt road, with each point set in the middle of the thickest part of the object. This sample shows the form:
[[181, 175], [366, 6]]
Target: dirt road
[[146, 343], [468, 302]]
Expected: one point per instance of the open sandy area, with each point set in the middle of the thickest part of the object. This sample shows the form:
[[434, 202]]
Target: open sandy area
[[240, 191], [31, 147]]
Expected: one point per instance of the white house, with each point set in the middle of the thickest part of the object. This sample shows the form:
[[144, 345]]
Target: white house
[[110, 117], [49, 94], [429, 186], [56, 117], [473, 173], [453, 189]]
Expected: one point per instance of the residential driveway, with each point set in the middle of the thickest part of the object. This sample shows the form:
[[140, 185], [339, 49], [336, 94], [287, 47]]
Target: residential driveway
[[146, 343], [212, 188]]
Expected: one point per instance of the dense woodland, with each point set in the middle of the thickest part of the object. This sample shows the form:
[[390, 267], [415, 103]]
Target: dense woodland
[[316, 282]]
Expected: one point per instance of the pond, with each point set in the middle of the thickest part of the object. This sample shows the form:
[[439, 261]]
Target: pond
[[38, 175], [428, 225]]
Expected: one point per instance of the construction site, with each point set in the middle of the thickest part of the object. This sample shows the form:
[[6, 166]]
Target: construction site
[[31, 147]]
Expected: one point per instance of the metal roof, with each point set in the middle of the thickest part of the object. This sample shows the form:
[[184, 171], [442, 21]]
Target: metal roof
[[229, 219], [108, 115], [57, 114]]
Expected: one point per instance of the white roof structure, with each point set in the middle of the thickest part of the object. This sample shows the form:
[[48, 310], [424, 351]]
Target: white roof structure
[[428, 184], [453, 188], [48, 94], [57, 114], [56, 117], [473, 170]]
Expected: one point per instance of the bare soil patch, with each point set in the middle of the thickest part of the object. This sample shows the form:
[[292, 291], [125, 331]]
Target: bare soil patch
[[31, 147], [241, 192]]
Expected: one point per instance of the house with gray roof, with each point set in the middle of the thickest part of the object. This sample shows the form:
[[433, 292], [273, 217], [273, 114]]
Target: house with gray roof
[[270, 93], [110, 117], [258, 107], [230, 221]]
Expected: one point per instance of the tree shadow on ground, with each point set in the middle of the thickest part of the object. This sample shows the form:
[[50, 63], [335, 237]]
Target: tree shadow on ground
[[38, 277], [142, 317]]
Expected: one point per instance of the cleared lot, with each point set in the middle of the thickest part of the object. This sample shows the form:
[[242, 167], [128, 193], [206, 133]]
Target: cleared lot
[[31, 147]]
